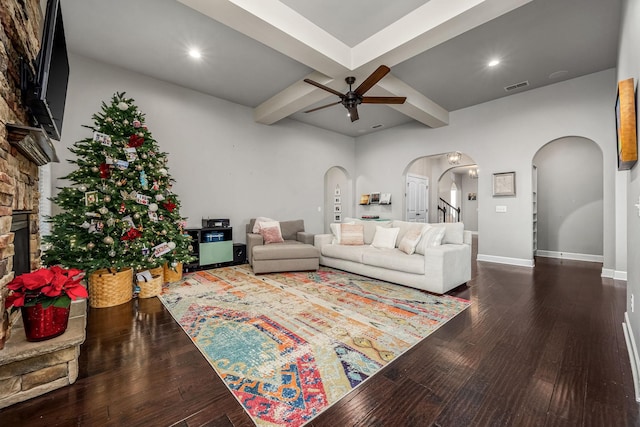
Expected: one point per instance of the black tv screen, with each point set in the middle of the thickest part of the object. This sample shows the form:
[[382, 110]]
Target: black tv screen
[[47, 92]]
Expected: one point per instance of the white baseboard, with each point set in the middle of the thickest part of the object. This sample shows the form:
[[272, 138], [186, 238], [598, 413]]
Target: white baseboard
[[633, 354], [614, 274], [505, 260], [571, 256]]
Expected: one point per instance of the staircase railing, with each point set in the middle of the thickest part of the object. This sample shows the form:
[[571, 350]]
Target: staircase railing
[[446, 211]]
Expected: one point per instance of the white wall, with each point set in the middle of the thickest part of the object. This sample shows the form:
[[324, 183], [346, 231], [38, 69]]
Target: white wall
[[503, 136], [629, 66], [570, 197], [225, 165]]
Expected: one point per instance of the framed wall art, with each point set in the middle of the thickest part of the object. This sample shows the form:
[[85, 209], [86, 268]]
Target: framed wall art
[[504, 184], [626, 133]]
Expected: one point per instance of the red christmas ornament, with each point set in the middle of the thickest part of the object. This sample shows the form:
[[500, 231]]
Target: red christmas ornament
[[133, 233], [169, 206], [122, 208], [105, 172], [136, 141]]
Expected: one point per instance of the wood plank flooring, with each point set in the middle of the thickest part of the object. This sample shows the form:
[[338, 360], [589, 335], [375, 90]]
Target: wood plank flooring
[[538, 347]]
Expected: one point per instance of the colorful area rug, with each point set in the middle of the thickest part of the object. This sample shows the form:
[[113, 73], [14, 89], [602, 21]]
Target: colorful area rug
[[290, 345]]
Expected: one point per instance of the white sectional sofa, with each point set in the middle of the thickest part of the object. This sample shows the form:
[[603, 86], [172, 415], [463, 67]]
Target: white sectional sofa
[[436, 266]]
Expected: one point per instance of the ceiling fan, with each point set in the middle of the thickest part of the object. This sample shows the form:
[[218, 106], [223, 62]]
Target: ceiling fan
[[353, 98]]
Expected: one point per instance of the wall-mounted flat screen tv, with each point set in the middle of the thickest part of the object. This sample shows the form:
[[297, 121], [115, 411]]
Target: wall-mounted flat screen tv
[[46, 92]]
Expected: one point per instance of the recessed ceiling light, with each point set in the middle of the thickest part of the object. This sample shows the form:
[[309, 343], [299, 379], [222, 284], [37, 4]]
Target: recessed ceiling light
[[195, 53], [493, 62]]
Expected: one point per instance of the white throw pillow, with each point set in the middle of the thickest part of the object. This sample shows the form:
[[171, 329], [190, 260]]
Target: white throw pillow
[[431, 238], [385, 238], [258, 223]]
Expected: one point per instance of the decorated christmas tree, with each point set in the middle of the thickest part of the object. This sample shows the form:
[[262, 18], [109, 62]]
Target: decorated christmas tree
[[119, 211]]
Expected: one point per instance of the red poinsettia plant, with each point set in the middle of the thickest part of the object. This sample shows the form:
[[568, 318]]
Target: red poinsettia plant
[[47, 286]]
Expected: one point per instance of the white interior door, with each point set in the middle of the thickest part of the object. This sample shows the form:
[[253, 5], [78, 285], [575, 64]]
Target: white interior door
[[417, 196]]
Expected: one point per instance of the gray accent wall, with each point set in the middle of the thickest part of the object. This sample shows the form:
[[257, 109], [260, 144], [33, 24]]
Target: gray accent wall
[[570, 205], [225, 165], [503, 136]]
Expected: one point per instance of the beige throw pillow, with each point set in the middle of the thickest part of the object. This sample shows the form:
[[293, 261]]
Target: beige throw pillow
[[351, 234], [411, 239]]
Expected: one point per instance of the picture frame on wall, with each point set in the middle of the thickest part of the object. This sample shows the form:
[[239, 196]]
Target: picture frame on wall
[[337, 208], [626, 133], [337, 217], [504, 184], [374, 198], [336, 192], [337, 200]]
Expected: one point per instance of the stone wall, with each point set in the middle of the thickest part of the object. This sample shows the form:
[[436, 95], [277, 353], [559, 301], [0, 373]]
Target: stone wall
[[19, 37]]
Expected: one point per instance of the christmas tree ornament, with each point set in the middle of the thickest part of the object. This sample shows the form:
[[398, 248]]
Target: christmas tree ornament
[[111, 222], [140, 134], [123, 106], [159, 197], [105, 171], [153, 207], [103, 210], [112, 253], [95, 169], [163, 171], [107, 199], [136, 141], [108, 120], [172, 245], [122, 208], [170, 206], [174, 264], [190, 248], [164, 233], [143, 180], [136, 215], [82, 188], [144, 156], [91, 245], [125, 122], [139, 167], [136, 123], [108, 240]]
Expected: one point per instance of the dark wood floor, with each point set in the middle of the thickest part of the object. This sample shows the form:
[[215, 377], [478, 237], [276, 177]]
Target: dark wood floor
[[538, 347]]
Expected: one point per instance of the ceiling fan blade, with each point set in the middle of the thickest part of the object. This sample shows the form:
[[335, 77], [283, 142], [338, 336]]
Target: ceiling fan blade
[[384, 99], [324, 106], [374, 78], [353, 113], [323, 87]]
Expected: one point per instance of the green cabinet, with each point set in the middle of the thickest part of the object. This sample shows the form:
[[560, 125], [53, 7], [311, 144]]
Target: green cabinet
[[212, 246]]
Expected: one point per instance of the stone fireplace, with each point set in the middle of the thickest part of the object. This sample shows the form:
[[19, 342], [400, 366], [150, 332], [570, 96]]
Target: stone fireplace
[[26, 369]]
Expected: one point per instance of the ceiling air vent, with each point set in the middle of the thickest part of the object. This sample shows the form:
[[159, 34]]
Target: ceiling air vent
[[517, 86]]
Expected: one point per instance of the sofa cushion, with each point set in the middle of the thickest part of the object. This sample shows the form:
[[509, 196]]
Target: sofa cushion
[[270, 232], [351, 234], [290, 229], [349, 253], [453, 232], [394, 259], [385, 238], [431, 237], [411, 238], [287, 250]]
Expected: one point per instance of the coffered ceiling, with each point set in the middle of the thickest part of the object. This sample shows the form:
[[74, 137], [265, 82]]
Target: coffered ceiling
[[257, 52]]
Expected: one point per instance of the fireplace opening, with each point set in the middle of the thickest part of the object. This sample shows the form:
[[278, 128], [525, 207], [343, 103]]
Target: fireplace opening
[[21, 239]]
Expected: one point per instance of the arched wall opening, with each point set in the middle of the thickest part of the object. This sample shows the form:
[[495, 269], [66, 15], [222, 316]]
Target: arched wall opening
[[440, 175], [568, 200], [338, 196]]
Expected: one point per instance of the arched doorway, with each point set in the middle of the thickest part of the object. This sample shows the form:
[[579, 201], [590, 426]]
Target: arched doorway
[[568, 200], [440, 174]]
